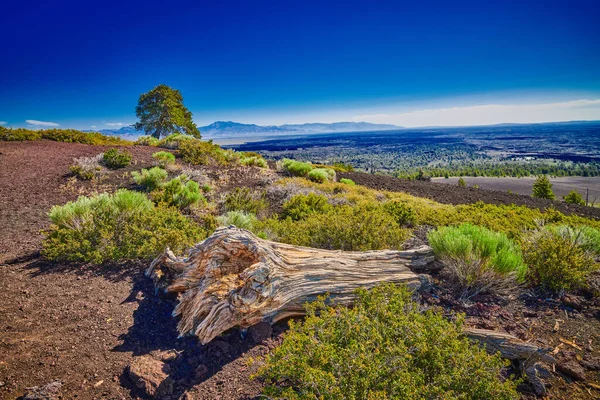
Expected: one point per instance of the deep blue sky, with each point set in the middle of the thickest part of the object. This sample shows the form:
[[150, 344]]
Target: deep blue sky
[[85, 63]]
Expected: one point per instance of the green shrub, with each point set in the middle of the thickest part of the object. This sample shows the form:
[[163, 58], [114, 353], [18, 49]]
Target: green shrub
[[478, 259], [150, 179], [87, 168], [116, 158], [402, 213], [198, 152], [241, 199], [124, 225], [147, 141], [164, 158], [75, 136], [363, 227], [301, 206], [296, 168], [321, 175], [347, 181], [561, 258], [461, 182], [340, 166], [542, 188], [383, 347], [254, 161], [174, 141], [18, 134], [179, 192], [241, 219], [574, 198]]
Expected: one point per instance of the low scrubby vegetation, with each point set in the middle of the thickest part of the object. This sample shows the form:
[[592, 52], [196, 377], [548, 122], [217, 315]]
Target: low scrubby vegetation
[[62, 135], [321, 175], [87, 168], [124, 225], [382, 348], [180, 192], [242, 199], [116, 158], [150, 179], [478, 259], [560, 258], [347, 181], [164, 158]]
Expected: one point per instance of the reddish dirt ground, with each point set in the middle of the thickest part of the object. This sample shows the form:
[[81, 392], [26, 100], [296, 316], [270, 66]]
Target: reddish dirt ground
[[82, 325]]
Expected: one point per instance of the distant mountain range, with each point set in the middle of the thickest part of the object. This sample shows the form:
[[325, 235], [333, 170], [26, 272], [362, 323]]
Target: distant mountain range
[[233, 129]]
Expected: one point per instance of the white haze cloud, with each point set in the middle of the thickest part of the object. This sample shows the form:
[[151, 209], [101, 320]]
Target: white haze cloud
[[40, 123], [114, 124], [491, 114], [2, 122]]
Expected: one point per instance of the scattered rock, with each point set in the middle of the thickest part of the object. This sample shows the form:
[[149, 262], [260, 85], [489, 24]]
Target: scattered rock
[[164, 355], [592, 364], [572, 301], [572, 369], [426, 283], [151, 376], [201, 371], [50, 391], [539, 387], [260, 332]]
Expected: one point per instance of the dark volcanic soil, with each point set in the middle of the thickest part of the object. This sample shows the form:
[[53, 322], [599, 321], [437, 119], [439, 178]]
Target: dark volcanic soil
[[450, 194], [82, 325]]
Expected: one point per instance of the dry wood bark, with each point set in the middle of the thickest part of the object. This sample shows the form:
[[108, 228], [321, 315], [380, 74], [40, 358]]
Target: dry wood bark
[[234, 278], [509, 346]]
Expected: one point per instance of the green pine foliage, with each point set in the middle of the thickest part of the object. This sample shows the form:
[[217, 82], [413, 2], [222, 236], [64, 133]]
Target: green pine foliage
[[180, 192], [384, 347], [574, 198], [461, 182], [542, 188], [479, 260], [124, 225], [164, 158], [301, 206]]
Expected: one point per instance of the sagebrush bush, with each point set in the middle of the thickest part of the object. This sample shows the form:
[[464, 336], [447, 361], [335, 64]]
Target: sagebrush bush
[[301, 206], [124, 225], [164, 158], [321, 175], [150, 179], [383, 347], [198, 152], [254, 161], [87, 168], [241, 199], [296, 168], [347, 181], [241, 219], [62, 135], [561, 258], [360, 228], [147, 141], [174, 141], [116, 158], [478, 259], [179, 192], [402, 213]]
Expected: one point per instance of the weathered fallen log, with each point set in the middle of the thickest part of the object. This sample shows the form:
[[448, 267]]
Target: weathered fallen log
[[234, 278], [509, 346]]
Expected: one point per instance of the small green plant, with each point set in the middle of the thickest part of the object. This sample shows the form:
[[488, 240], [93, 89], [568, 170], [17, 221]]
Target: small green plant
[[150, 179], [174, 141], [179, 192], [478, 259], [199, 152], [254, 161], [18, 134], [164, 158], [124, 225], [301, 206], [321, 175], [147, 141], [347, 181], [241, 199], [86, 168], [402, 213], [296, 168], [384, 347], [461, 182], [343, 167], [542, 188], [116, 158], [241, 219], [560, 258], [574, 198]]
